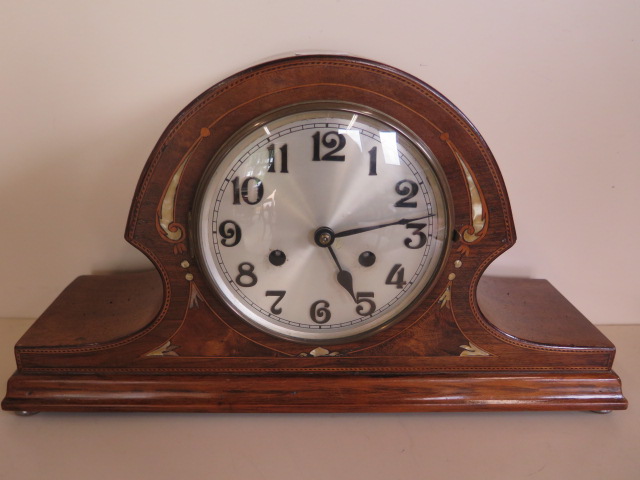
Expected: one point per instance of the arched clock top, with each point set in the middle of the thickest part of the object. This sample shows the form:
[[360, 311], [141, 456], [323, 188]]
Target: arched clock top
[[480, 223]]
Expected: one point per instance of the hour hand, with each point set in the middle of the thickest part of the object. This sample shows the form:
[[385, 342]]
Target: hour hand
[[344, 277], [324, 237]]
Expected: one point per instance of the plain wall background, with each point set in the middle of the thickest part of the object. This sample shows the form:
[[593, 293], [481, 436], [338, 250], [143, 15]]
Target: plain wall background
[[86, 89]]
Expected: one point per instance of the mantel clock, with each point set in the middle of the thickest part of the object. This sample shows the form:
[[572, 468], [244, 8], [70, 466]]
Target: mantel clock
[[319, 226]]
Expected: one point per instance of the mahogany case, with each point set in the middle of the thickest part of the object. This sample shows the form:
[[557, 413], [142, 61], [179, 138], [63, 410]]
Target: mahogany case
[[162, 340]]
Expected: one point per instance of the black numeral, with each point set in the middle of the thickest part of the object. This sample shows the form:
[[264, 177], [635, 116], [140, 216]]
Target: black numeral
[[373, 154], [245, 270], [409, 189], [284, 159], [396, 276], [417, 230], [365, 297], [276, 293], [241, 191], [230, 232], [333, 140], [319, 311]]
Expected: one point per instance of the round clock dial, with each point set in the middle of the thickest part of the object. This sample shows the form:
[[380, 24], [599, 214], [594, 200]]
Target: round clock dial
[[322, 223]]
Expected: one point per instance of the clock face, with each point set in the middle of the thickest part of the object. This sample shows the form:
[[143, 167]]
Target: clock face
[[322, 224]]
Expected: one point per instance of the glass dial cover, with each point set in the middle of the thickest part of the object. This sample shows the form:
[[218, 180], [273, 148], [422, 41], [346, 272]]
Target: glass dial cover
[[322, 224]]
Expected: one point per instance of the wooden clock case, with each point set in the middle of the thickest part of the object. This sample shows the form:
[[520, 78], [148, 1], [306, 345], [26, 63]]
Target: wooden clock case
[[163, 341]]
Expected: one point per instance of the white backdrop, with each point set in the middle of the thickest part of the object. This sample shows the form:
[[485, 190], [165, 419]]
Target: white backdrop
[[86, 89]]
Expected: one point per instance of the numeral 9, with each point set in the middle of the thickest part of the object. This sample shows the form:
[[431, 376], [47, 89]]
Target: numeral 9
[[231, 233]]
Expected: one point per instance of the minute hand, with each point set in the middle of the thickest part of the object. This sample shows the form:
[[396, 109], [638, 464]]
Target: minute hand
[[402, 221]]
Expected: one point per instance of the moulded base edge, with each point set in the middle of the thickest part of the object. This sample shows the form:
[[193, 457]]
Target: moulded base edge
[[277, 393]]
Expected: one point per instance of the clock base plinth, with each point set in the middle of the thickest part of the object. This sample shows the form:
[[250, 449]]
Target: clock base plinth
[[96, 376], [304, 394]]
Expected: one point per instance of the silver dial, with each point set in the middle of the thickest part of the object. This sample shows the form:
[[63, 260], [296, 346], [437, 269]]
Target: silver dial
[[322, 225]]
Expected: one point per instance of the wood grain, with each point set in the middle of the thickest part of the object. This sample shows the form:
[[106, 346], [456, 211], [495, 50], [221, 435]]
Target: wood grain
[[164, 341]]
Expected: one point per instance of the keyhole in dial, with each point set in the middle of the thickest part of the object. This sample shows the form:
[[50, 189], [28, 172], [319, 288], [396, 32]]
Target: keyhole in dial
[[277, 257], [367, 258]]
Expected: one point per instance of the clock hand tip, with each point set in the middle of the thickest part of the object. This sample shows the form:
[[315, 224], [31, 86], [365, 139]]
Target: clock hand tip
[[346, 281]]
